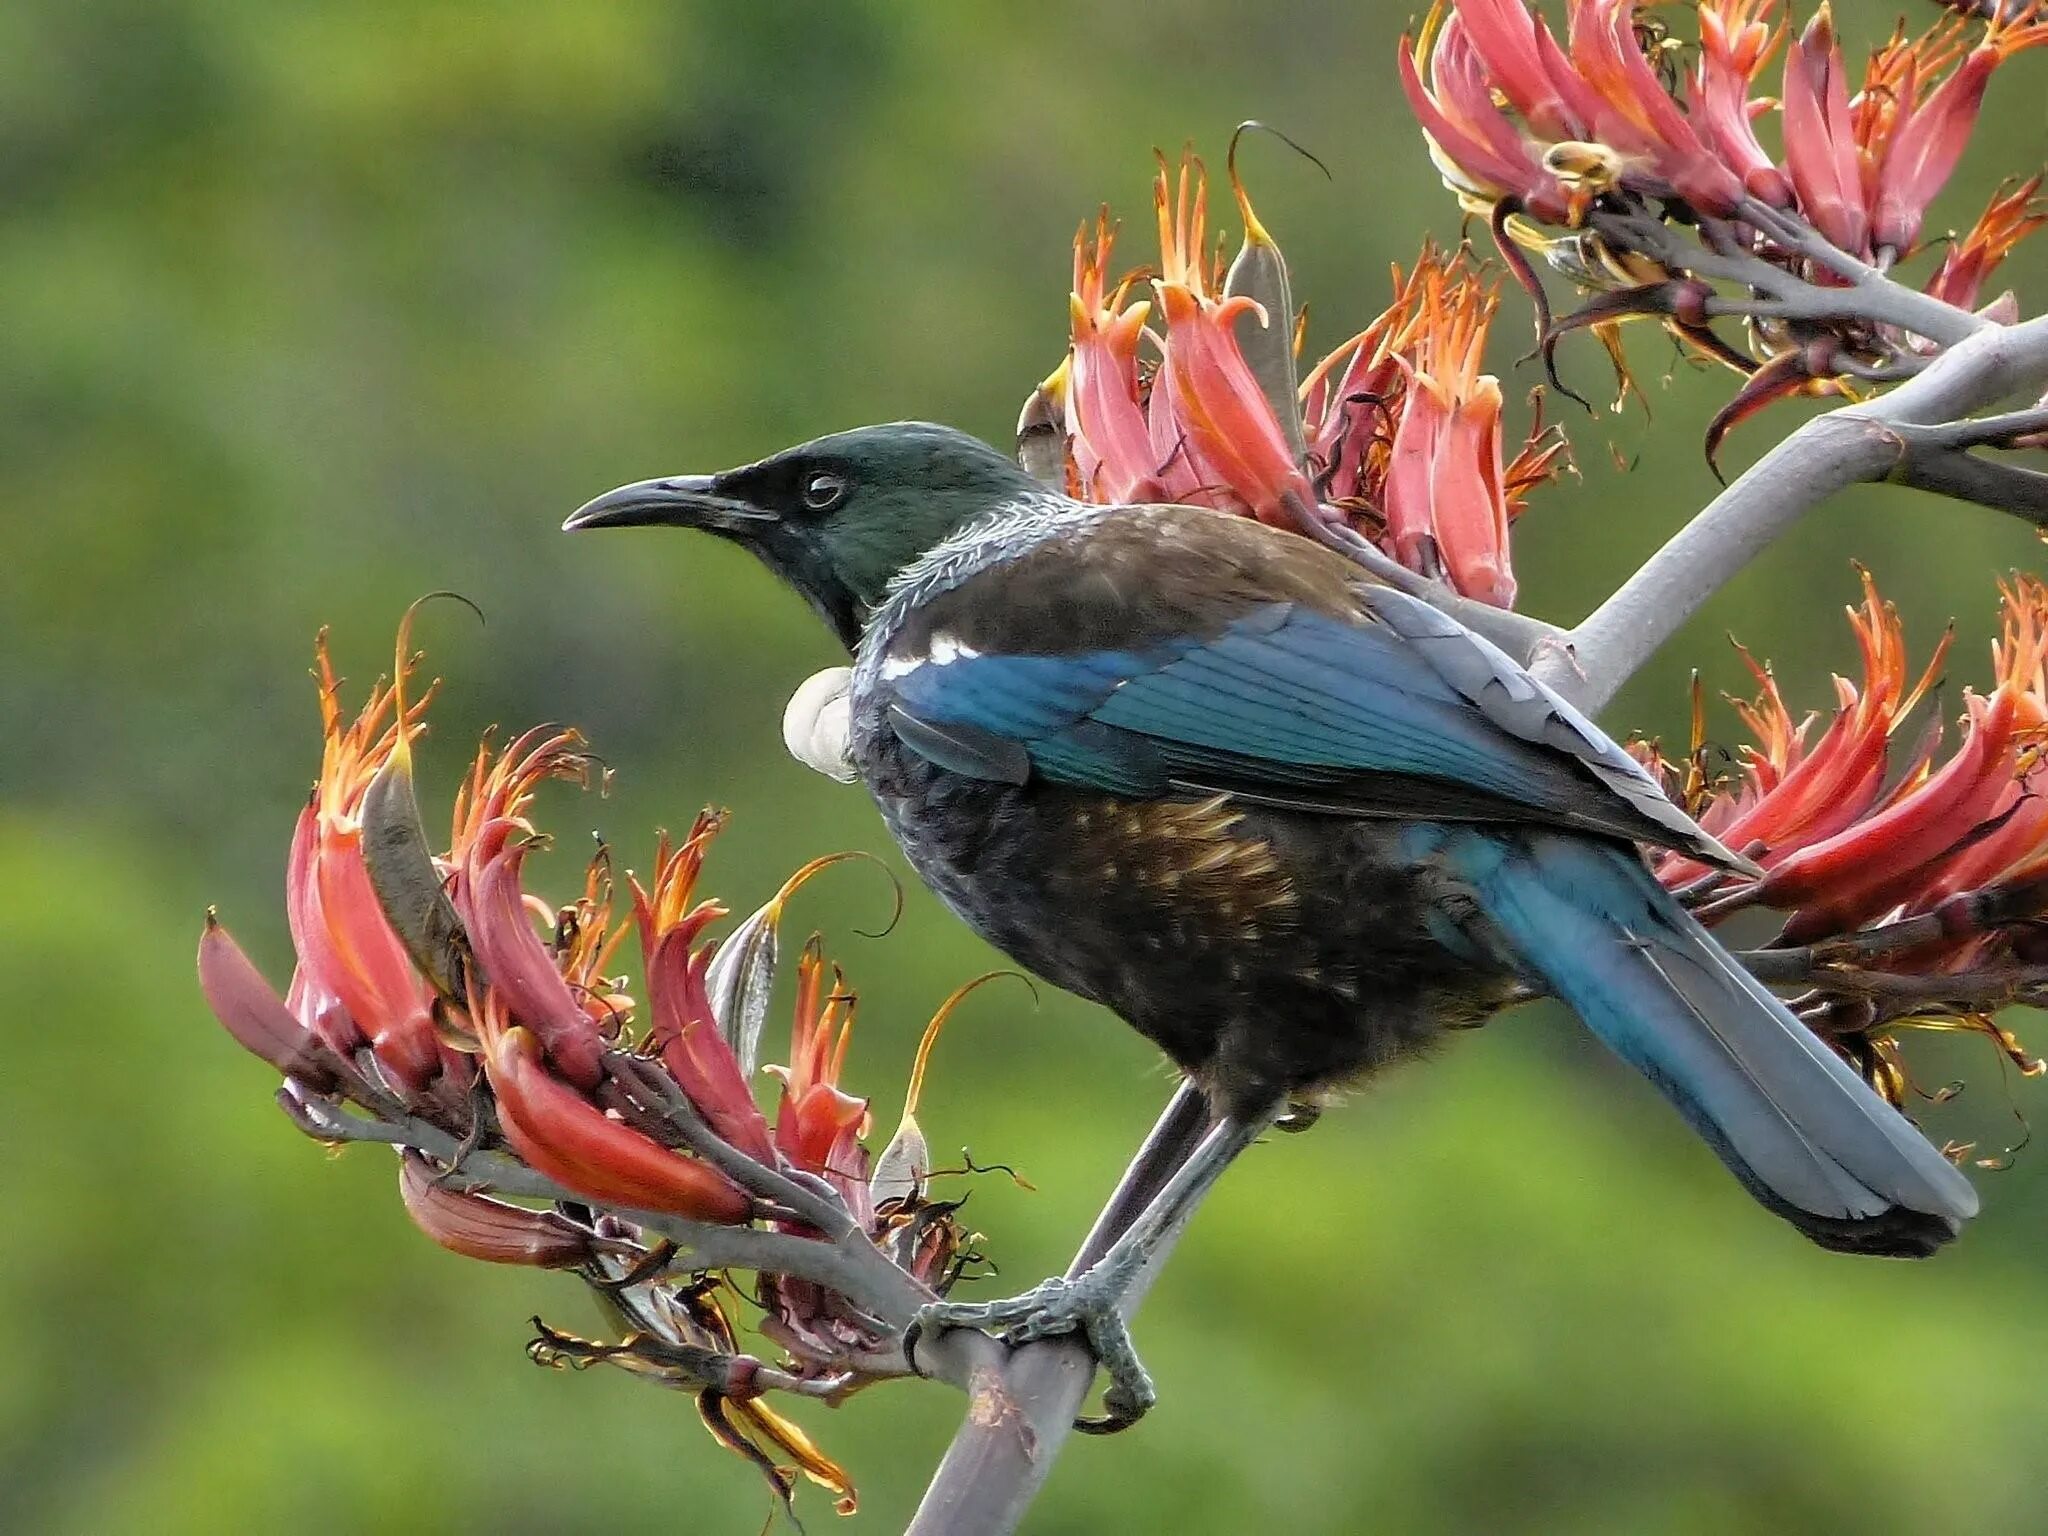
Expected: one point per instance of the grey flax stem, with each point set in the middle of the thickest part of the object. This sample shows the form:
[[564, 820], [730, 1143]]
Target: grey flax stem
[[1859, 443]]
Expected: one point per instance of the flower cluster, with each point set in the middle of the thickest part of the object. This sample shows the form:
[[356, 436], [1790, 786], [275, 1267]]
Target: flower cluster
[[1913, 885], [442, 1007], [1647, 182], [1397, 433]]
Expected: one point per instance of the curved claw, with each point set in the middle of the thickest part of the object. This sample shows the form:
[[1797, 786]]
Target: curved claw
[[1120, 1411], [1131, 1393], [1087, 1306]]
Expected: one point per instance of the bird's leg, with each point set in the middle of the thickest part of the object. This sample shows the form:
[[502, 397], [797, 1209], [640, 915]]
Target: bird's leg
[[1167, 1147], [1092, 1303], [1170, 1143]]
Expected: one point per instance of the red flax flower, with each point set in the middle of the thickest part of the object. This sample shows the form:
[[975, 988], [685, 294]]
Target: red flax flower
[[355, 988], [1446, 494], [2014, 213], [1736, 43], [442, 1007], [1208, 412], [1483, 154], [1791, 795], [1402, 431], [1927, 133], [1634, 114], [1914, 890], [1582, 152], [1111, 443], [1822, 155]]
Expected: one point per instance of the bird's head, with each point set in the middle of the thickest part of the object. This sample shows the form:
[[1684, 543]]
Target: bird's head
[[836, 517]]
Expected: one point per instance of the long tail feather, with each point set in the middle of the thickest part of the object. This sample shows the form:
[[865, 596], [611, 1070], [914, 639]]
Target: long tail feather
[[1802, 1131]]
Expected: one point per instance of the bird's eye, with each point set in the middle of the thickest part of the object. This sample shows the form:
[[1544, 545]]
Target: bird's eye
[[823, 490]]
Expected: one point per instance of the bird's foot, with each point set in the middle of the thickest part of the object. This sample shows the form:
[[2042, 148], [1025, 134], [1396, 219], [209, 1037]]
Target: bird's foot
[[1089, 1306]]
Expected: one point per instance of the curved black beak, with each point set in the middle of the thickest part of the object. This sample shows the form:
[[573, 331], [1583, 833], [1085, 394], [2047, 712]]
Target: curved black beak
[[681, 501]]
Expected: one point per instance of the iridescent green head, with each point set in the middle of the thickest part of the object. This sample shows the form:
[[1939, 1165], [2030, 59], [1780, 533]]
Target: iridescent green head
[[836, 517]]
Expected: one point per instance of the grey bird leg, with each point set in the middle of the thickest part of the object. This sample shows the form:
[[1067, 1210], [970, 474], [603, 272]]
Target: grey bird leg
[[1091, 1303], [1171, 1141]]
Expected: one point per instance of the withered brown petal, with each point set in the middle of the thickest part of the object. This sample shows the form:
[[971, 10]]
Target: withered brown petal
[[741, 980], [760, 1434], [478, 1227], [407, 883]]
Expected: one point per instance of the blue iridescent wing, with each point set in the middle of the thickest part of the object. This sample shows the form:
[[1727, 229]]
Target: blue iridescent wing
[[1403, 713]]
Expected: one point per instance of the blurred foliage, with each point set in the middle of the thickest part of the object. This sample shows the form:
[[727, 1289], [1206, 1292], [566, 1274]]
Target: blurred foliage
[[311, 307]]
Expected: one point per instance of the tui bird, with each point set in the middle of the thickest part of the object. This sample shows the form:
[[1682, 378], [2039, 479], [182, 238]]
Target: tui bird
[[1290, 824]]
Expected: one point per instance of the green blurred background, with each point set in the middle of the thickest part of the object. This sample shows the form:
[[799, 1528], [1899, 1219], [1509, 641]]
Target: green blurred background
[[309, 308]]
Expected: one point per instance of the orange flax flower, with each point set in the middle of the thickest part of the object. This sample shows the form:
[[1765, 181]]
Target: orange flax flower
[[684, 1030], [1446, 500], [1898, 73], [562, 1134], [1636, 115], [1106, 430], [1736, 42], [1928, 138], [1209, 417], [1545, 454], [1483, 156], [492, 838], [1790, 795], [1900, 854], [1842, 853], [2014, 213], [1822, 155], [2014, 844], [1824, 791], [587, 943], [818, 1128], [817, 1125], [1877, 865], [355, 983]]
